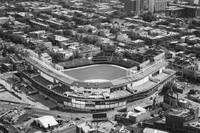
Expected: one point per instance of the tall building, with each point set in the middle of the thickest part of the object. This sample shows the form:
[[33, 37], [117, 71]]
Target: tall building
[[191, 2], [196, 2], [145, 5], [134, 7], [157, 5], [151, 5]]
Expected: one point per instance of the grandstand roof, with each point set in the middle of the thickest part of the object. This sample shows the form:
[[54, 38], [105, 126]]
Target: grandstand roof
[[65, 79], [93, 85]]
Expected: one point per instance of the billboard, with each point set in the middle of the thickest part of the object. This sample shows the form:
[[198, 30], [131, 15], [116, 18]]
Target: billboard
[[99, 116]]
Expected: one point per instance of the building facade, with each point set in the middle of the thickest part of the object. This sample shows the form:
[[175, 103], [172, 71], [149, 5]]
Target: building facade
[[134, 7], [157, 5]]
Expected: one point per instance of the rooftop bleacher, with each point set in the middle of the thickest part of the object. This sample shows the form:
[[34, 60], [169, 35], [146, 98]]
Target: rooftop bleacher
[[43, 81], [61, 89], [30, 73], [75, 63]]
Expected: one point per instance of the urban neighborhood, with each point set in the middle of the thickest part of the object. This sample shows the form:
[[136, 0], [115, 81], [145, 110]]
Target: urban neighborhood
[[99, 66]]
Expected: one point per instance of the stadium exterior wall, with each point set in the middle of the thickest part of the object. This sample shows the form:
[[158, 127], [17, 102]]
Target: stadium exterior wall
[[106, 104]]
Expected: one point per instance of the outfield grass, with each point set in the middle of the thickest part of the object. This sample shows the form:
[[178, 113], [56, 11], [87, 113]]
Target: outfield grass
[[101, 72]]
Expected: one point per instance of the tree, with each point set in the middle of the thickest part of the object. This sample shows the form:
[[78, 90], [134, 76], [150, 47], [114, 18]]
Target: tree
[[25, 53], [6, 25], [148, 17], [169, 89], [192, 92], [4, 53], [90, 31], [114, 30], [11, 49], [76, 54], [56, 57], [195, 23], [164, 23]]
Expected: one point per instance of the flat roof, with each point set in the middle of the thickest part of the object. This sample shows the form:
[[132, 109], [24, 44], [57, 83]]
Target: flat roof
[[151, 130], [47, 121], [42, 80], [179, 112]]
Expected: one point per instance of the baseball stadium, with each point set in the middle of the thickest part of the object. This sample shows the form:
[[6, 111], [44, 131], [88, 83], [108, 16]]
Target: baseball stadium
[[97, 84]]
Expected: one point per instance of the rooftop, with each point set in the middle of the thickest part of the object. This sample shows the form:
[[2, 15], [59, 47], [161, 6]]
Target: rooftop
[[46, 121], [104, 127], [179, 112], [151, 130]]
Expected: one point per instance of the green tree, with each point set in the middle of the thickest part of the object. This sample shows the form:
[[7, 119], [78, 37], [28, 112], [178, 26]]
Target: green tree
[[169, 89], [148, 17], [4, 53]]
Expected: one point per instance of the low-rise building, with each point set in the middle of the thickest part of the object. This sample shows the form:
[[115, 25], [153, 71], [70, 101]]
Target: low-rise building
[[139, 114], [46, 58], [151, 130], [46, 122], [4, 20], [176, 119], [101, 127]]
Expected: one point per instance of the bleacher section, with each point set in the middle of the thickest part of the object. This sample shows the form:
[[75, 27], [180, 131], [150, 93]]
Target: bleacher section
[[61, 89], [127, 63], [43, 81], [31, 73], [100, 59], [28, 90], [141, 74], [76, 63]]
